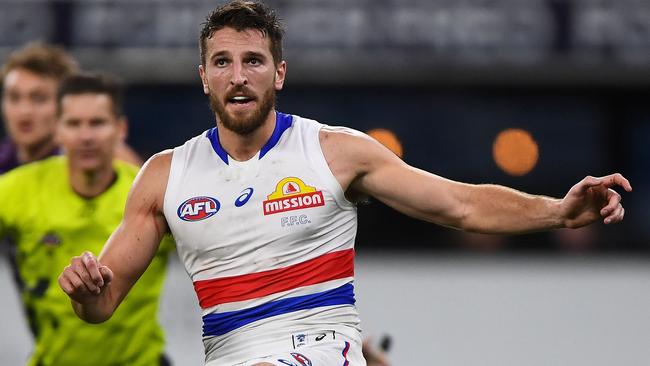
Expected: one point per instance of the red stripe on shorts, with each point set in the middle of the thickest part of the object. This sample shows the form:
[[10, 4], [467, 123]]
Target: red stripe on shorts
[[327, 267]]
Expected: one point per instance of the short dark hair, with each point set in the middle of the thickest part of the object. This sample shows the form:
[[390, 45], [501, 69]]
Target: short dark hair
[[93, 84], [242, 15], [41, 59]]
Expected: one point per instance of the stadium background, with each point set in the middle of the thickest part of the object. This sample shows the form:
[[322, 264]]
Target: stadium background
[[446, 77]]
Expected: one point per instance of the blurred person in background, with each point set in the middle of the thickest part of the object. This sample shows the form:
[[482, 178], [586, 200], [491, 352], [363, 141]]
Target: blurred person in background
[[30, 78], [61, 205], [376, 356], [263, 211]]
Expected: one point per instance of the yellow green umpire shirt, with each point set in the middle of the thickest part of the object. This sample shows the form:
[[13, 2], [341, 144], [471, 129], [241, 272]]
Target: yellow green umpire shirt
[[47, 224]]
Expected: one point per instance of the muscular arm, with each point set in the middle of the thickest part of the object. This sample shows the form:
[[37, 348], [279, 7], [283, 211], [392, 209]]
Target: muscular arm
[[98, 285], [363, 165]]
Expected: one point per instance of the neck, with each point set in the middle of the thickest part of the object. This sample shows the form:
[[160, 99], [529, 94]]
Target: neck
[[28, 154], [90, 184], [244, 147]]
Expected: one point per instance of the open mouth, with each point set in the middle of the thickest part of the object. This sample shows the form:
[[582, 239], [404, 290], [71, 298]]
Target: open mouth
[[241, 100], [25, 126]]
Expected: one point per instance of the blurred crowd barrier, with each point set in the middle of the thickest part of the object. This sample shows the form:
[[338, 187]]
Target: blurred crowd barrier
[[508, 311], [362, 40]]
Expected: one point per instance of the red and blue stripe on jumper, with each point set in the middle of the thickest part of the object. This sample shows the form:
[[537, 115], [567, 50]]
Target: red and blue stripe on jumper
[[327, 267]]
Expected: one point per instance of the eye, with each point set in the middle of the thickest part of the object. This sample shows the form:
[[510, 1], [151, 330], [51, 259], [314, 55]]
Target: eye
[[98, 122], [12, 97], [71, 123], [220, 62], [254, 61]]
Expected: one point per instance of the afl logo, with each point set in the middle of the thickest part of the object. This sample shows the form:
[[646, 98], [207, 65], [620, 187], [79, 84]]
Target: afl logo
[[198, 208]]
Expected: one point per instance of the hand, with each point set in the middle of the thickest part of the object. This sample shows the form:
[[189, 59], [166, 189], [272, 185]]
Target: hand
[[592, 199], [85, 278], [373, 356]]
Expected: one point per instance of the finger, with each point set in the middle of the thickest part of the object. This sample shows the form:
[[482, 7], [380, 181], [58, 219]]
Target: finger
[[80, 269], [619, 215], [79, 287], [617, 180], [616, 216], [107, 274], [590, 181], [65, 283], [613, 202], [93, 268], [622, 215]]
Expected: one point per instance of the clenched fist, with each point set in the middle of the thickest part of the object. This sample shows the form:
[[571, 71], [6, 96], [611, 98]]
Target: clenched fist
[[85, 278]]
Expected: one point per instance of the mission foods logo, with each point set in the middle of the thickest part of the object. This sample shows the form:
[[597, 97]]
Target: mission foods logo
[[198, 208], [292, 194]]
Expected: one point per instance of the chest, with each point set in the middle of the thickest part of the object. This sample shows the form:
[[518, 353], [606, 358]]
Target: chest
[[279, 198], [49, 233]]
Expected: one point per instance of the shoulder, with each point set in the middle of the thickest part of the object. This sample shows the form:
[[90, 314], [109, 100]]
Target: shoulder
[[342, 137], [345, 137], [207, 135], [159, 163], [26, 185], [352, 155], [8, 158], [37, 172], [352, 145], [151, 180]]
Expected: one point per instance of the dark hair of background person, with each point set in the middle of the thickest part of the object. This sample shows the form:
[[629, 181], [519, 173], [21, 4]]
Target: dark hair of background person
[[93, 84], [40, 59]]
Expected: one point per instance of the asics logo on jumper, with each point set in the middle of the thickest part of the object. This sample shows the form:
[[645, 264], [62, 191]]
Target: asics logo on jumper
[[244, 197], [292, 194]]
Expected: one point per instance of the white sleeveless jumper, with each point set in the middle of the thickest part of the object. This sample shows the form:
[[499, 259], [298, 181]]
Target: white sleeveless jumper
[[268, 243]]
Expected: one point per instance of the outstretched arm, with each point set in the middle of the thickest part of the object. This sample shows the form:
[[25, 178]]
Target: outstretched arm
[[98, 285], [363, 165]]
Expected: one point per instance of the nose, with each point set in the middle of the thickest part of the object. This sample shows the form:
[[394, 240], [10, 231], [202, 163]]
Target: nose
[[24, 107], [86, 134], [238, 75]]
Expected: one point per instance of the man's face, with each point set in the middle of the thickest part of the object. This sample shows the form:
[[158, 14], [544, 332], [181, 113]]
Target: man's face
[[89, 130], [29, 106], [241, 78]]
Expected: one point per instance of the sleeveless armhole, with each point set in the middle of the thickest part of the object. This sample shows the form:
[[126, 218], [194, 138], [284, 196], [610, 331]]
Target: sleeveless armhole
[[175, 173], [317, 157]]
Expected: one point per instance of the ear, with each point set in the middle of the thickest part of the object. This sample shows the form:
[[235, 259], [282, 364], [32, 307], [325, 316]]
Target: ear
[[123, 151], [280, 73], [204, 80], [123, 128]]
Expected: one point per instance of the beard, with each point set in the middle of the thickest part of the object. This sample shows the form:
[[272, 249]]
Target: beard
[[244, 125]]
